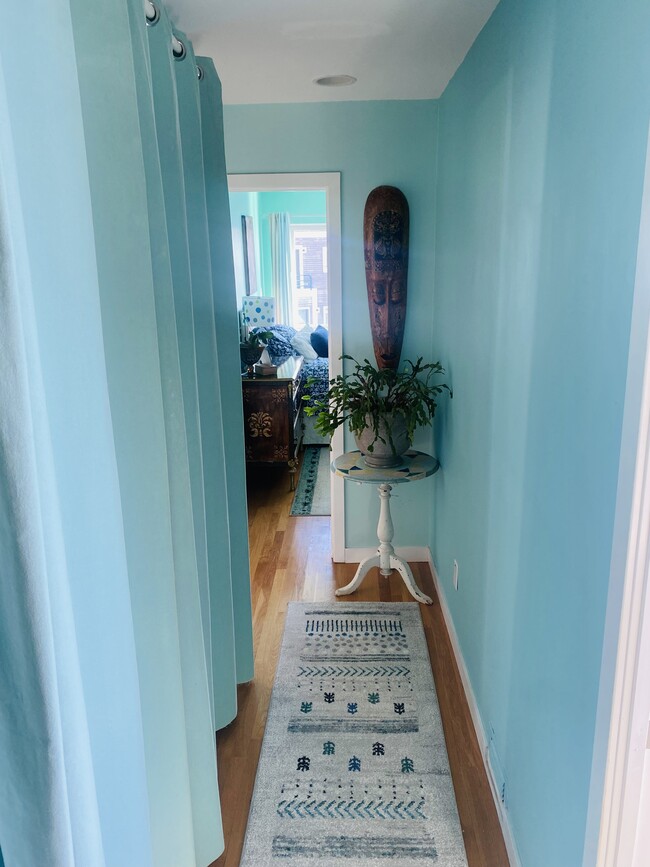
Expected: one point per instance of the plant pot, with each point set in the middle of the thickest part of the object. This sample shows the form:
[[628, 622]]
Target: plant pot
[[250, 355], [384, 455]]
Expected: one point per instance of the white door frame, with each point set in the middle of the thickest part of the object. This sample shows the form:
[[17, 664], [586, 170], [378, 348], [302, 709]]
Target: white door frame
[[330, 183], [627, 632]]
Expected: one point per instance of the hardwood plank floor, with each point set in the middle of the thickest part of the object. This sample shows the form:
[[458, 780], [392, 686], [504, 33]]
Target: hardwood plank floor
[[290, 560]]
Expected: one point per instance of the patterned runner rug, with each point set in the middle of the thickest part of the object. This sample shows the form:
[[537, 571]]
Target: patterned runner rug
[[313, 489], [353, 768]]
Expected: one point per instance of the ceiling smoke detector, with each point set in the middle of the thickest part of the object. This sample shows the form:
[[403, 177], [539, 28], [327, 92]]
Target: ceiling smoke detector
[[335, 80]]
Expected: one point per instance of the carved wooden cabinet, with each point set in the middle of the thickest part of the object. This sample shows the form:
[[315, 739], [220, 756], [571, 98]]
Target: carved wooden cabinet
[[272, 419]]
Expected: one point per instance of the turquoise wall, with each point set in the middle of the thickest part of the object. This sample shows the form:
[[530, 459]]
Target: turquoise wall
[[304, 207], [369, 143], [541, 156], [308, 206]]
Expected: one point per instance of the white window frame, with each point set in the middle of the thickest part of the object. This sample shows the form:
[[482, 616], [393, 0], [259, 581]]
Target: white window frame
[[308, 230]]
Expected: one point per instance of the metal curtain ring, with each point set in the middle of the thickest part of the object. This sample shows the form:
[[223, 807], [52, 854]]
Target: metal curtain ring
[[178, 49], [151, 13]]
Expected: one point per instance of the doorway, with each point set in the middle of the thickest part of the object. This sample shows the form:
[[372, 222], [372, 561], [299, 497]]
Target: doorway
[[306, 288]]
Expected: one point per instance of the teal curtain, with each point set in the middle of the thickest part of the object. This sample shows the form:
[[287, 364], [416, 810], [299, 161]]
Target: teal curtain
[[227, 334], [280, 226], [125, 619]]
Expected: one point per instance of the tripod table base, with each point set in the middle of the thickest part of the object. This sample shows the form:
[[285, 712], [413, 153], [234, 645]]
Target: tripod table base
[[395, 563], [385, 558]]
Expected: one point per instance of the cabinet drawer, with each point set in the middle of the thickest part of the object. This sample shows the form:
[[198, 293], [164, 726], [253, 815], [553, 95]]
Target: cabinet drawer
[[268, 423], [272, 415]]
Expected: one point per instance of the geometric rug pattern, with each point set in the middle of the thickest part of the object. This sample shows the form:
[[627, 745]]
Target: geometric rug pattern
[[312, 495], [353, 768]]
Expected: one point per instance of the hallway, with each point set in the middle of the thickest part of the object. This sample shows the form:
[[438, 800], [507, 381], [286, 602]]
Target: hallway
[[290, 560]]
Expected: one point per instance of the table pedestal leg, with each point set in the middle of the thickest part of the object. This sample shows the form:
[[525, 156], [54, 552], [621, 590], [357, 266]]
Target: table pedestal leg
[[385, 558], [293, 468]]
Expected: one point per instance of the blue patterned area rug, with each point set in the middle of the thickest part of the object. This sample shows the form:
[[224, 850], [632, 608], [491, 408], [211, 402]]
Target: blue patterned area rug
[[354, 768], [313, 489]]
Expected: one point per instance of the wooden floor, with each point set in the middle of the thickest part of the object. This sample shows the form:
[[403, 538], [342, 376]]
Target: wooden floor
[[290, 559]]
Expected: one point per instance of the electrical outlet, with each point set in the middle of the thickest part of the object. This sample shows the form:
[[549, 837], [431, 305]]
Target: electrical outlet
[[455, 575]]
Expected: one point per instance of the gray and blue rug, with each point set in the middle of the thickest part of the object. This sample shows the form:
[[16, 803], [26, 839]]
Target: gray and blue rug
[[313, 489], [354, 768]]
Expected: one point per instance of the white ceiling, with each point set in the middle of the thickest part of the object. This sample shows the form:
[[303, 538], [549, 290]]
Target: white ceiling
[[272, 50]]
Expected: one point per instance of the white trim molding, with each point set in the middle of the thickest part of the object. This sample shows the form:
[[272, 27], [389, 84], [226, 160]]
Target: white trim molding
[[619, 841], [483, 741]]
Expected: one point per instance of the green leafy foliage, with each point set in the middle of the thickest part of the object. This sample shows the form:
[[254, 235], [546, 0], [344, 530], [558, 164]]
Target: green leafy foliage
[[371, 398], [257, 340]]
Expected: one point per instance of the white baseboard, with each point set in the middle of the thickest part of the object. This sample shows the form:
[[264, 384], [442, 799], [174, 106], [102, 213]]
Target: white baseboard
[[506, 830], [412, 554]]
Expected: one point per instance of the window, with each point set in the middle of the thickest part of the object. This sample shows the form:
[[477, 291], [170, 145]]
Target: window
[[309, 277]]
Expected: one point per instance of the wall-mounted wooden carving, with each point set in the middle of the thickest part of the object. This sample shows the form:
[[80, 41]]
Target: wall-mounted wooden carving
[[386, 251]]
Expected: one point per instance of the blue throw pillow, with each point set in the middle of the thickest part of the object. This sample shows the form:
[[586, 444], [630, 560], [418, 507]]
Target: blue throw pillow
[[320, 341]]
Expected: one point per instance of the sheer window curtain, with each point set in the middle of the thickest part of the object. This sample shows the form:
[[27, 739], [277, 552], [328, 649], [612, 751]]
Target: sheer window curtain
[[280, 234], [125, 618]]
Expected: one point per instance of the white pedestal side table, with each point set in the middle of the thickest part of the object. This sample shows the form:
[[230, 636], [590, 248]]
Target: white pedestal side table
[[414, 466]]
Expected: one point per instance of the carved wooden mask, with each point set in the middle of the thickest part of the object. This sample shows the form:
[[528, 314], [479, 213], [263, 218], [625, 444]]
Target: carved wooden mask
[[386, 248]]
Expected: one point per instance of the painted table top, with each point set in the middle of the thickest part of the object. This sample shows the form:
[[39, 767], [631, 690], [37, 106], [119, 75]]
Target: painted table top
[[414, 466]]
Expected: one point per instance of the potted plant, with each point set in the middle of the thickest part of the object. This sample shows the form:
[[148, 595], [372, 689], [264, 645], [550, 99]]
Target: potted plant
[[382, 407], [250, 350]]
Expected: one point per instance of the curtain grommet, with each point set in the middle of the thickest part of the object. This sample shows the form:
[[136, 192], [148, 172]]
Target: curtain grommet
[[151, 13], [179, 52], [200, 74]]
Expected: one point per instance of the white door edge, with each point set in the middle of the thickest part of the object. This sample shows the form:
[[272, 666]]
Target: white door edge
[[624, 706]]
